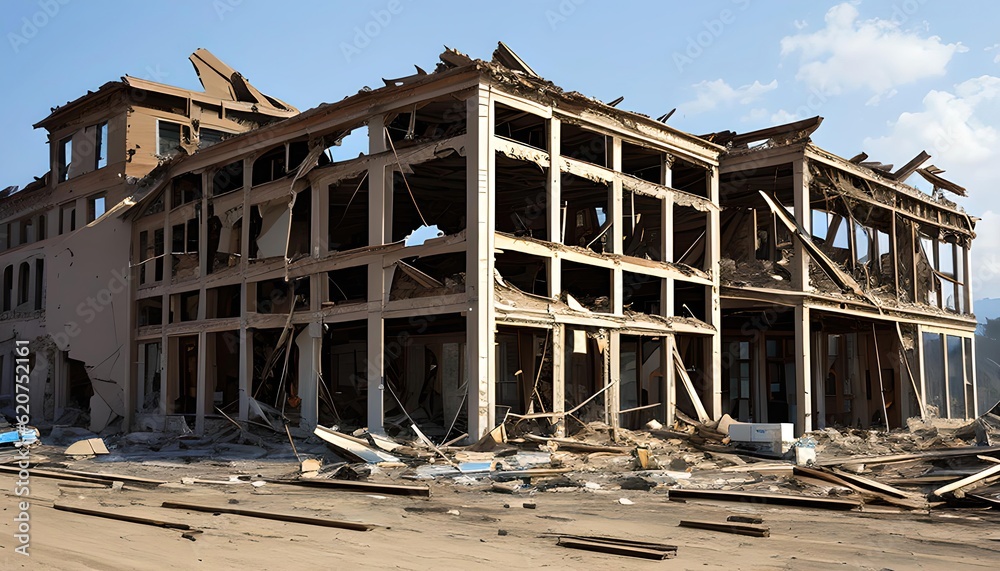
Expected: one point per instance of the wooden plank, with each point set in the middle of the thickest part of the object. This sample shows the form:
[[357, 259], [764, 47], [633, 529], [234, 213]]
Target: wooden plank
[[852, 481], [616, 540], [689, 386], [356, 486], [36, 473], [615, 548], [765, 498], [272, 516], [736, 528], [116, 477], [865, 486], [968, 481], [122, 517]]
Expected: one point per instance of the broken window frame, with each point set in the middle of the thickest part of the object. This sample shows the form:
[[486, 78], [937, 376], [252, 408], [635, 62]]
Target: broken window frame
[[167, 146], [23, 283], [64, 158], [96, 206], [215, 136], [8, 287], [101, 145]]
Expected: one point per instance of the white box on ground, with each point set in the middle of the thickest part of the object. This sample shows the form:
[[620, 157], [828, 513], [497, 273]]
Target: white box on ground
[[779, 435]]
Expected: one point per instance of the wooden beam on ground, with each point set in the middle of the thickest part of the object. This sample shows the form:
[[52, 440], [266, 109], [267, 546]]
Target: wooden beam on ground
[[955, 486], [619, 547], [887, 494], [117, 477], [122, 517], [765, 498], [356, 486], [36, 473], [323, 522], [736, 528]]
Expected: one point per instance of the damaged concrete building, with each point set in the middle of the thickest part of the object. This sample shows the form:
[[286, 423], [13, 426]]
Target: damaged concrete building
[[846, 292], [65, 248], [501, 249]]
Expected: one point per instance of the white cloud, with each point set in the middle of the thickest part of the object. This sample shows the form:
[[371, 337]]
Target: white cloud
[[876, 55], [879, 97], [958, 129], [994, 48], [711, 94], [800, 24], [781, 116]]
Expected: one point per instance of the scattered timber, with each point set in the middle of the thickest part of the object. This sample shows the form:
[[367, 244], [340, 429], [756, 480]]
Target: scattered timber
[[764, 498], [357, 486], [964, 482], [122, 517], [272, 516], [36, 473], [736, 528], [616, 546]]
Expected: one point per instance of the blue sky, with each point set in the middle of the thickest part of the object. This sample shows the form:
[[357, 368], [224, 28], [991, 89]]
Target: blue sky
[[891, 78]]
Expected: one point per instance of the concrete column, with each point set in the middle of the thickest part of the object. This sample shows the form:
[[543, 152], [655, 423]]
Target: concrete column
[[310, 344], [919, 342], [612, 398], [803, 214], [204, 396], [713, 305], [667, 237], [803, 371], [559, 374], [480, 319], [378, 228], [667, 345], [554, 202], [246, 366], [616, 215]]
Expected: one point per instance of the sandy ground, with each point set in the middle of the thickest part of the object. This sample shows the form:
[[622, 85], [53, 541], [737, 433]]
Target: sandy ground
[[420, 533]]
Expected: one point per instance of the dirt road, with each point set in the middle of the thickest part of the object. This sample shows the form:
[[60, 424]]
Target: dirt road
[[459, 527]]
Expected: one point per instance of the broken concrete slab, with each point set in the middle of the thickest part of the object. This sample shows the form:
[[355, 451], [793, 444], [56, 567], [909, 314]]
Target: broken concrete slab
[[89, 447]]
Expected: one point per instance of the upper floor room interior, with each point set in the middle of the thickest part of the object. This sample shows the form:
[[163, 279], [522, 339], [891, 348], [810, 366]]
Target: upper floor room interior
[[867, 230]]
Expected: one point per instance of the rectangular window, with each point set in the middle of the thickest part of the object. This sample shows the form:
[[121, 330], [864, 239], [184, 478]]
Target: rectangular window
[[101, 146], [65, 156], [168, 137], [208, 137], [95, 208], [39, 283]]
